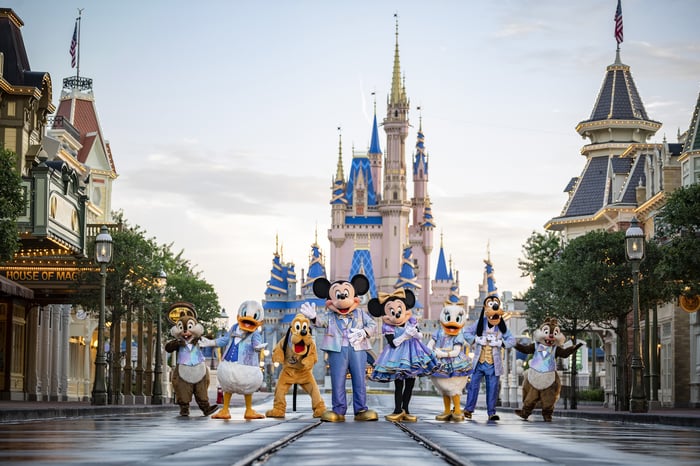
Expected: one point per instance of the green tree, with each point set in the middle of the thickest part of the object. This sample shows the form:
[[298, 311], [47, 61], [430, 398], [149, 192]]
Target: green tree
[[12, 203], [539, 250], [186, 284], [678, 231], [590, 286]]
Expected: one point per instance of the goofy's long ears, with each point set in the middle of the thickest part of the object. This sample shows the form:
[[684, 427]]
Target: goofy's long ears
[[480, 324]]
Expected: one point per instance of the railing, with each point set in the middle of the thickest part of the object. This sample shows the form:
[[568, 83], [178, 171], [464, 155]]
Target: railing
[[93, 229], [77, 82], [60, 122]]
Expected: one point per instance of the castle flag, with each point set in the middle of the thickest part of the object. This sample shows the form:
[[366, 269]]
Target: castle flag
[[74, 46], [618, 22]]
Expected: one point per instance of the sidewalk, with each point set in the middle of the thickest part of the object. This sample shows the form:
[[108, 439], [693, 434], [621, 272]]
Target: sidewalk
[[13, 411], [663, 416]]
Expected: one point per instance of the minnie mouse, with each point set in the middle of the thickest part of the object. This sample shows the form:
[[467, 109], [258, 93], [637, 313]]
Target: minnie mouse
[[404, 357]]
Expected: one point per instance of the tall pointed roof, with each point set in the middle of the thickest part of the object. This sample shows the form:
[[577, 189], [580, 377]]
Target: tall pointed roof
[[374, 147], [441, 273], [317, 269], [420, 159], [281, 275], [407, 274], [338, 196], [490, 279], [398, 90], [692, 139], [618, 99]]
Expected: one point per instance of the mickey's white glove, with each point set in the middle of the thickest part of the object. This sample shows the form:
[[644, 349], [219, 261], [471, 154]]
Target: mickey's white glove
[[356, 335], [440, 353], [481, 341], [204, 342], [308, 310]]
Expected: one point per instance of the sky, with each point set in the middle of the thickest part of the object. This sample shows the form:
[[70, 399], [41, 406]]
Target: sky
[[223, 116]]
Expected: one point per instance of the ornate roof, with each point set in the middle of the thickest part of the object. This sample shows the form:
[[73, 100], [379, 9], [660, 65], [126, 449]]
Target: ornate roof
[[407, 275], [692, 140], [316, 269], [17, 76], [441, 274], [618, 98]]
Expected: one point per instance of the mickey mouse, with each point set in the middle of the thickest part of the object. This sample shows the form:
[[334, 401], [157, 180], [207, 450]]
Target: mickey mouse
[[404, 357], [346, 341]]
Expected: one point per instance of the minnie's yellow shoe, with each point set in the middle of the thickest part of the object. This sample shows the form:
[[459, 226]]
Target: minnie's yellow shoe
[[410, 418], [395, 417]]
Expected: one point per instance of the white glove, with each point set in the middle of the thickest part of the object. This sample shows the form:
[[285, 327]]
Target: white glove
[[440, 353], [260, 347], [481, 341], [204, 342], [411, 330], [356, 335], [493, 341], [453, 353], [398, 340], [309, 310]]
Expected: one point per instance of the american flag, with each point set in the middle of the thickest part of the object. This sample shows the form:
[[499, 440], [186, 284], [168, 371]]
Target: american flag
[[618, 23], [74, 45]]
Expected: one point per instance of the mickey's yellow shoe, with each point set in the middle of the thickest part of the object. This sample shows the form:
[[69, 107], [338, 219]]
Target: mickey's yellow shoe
[[367, 415], [332, 416]]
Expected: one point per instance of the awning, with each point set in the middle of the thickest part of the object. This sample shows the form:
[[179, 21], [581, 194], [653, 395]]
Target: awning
[[11, 288]]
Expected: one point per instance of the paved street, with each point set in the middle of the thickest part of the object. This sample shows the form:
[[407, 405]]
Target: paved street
[[161, 437]]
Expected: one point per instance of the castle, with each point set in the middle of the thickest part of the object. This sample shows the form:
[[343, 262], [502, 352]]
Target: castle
[[376, 228]]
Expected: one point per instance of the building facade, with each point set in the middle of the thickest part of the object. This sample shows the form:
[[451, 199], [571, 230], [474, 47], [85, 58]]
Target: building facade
[[626, 176]]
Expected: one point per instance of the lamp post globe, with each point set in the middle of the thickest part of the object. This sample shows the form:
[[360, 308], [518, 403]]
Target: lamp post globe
[[161, 280], [103, 256], [634, 250]]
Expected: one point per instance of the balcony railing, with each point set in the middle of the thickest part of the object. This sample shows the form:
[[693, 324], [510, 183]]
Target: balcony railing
[[61, 122]]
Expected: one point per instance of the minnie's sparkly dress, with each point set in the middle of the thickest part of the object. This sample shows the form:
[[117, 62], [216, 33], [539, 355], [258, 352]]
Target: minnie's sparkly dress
[[409, 359]]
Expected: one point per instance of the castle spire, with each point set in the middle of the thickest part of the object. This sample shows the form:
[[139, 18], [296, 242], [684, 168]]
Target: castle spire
[[338, 188], [397, 94]]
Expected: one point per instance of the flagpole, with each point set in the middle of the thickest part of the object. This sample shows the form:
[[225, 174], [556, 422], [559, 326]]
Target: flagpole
[[77, 69]]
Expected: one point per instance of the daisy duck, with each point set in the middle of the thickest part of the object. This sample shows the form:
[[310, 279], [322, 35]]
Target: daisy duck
[[454, 365]]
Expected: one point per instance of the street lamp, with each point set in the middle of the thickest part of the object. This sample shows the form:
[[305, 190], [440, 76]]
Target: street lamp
[[161, 280], [634, 249], [103, 256]]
